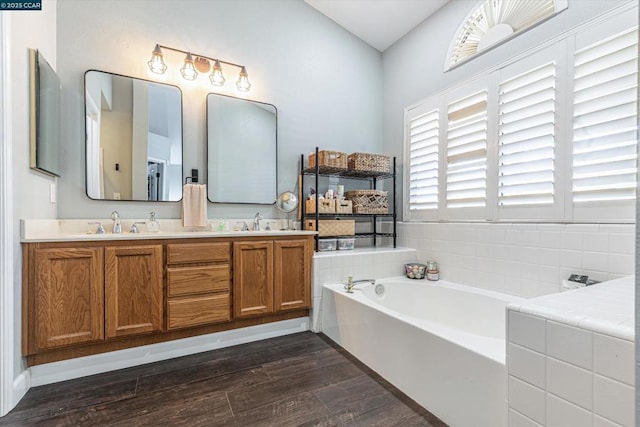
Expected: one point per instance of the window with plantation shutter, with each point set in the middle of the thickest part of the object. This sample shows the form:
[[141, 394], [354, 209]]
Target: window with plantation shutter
[[526, 138], [423, 161], [466, 144], [605, 120], [548, 136]]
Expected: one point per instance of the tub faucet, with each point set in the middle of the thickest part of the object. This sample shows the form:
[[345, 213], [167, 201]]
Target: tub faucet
[[351, 283], [117, 226], [256, 222]]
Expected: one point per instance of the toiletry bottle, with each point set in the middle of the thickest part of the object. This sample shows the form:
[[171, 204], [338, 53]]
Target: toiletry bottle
[[152, 225], [433, 273]]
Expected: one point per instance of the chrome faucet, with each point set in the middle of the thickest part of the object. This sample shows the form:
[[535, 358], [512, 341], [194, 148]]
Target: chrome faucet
[[134, 227], [117, 226], [256, 222], [100, 229], [351, 283]]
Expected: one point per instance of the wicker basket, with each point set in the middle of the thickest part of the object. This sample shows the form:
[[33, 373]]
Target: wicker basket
[[369, 201], [324, 206], [334, 159], [369, 162], [344, 206], [332, 227]]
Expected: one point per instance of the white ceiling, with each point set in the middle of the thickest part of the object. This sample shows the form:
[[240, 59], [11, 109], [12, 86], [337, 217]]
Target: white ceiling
[[380, 23]]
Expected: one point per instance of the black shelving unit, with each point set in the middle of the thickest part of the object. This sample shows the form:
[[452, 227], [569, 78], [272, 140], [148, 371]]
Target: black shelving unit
[[372, 177]]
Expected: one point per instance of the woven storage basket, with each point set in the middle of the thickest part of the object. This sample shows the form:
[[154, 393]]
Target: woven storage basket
[[332, 227], [334, 159], [324, 206], [344, 206], [369, 162], [369, 201]]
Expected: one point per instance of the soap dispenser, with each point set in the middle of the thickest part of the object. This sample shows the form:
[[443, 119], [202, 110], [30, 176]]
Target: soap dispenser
[[152, 225]]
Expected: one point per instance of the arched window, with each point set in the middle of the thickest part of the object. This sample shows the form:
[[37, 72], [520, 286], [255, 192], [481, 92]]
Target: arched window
[[493, 21]]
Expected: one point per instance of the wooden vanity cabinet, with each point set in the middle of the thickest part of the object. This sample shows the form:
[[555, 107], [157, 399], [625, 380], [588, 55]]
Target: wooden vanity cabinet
[[89, 297], [198, 284], [66, 300], [133, 290], [271, 276]]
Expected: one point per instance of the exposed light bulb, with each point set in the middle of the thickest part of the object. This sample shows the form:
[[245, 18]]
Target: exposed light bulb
[[216, 76], [243, 84], [156, 63], [188, 70]]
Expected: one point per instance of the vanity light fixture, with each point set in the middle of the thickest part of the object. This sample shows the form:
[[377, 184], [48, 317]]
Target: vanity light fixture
[[188, 70], [243, 84], [216, 76], [156, 63], [194, 63]]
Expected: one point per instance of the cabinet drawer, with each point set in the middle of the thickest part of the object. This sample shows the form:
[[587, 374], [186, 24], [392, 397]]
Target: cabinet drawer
[[184, 253], [197, 280], [183, 312]]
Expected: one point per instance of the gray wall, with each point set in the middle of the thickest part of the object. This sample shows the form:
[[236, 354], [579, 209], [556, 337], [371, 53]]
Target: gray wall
[[414, 66], [30, 188], [324, 81]]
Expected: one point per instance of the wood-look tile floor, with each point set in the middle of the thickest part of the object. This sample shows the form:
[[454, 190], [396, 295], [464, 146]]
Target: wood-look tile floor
[[297, 380]]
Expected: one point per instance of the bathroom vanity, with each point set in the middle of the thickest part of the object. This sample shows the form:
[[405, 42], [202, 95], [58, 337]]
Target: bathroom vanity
[[90, 294]]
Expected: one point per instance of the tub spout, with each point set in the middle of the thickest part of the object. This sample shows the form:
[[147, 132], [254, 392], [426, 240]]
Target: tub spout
[[351, 283]]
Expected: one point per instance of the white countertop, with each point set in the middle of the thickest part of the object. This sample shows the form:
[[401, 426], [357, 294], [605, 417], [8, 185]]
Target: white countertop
[[608, 307], [61, 230]]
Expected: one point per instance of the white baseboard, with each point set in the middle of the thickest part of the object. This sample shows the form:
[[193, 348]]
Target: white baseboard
[[89, 365], [21, 386]]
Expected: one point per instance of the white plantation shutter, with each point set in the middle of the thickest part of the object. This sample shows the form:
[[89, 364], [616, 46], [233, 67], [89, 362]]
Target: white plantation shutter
[[423, 161], [605, 120], [467, 152], [526, 138], [549, 136]]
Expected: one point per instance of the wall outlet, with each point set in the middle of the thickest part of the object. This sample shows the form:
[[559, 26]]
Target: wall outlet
[[52, 193], [116, 196]]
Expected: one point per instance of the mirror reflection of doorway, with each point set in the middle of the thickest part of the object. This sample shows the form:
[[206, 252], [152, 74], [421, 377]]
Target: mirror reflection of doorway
[[155, 177]]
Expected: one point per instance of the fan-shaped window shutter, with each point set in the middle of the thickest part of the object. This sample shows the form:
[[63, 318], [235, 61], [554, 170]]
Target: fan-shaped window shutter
[[526, 137], [493, 21], [605, 120], [423, 160], [467, 152]]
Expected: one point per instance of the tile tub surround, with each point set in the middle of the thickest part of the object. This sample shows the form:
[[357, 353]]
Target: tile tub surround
[[526, 260], [570, 357], [361, 263]]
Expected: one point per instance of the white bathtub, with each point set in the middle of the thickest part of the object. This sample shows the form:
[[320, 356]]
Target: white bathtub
[[441, 343]]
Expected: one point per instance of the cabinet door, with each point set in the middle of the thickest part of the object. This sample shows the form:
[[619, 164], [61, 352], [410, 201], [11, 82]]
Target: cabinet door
[[292, 274], [69, 301], [252, 278], [133, 290]]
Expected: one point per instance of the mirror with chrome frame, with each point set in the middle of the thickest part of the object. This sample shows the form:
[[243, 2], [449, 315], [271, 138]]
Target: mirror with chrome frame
[[133, 138], [241, 150]]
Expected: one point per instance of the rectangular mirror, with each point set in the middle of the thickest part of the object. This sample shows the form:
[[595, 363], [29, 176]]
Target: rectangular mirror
[[134, 138], [45, 117], [242, 150]]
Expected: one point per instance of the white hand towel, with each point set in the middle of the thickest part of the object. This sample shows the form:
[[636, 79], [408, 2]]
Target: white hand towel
[[194, 205]]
